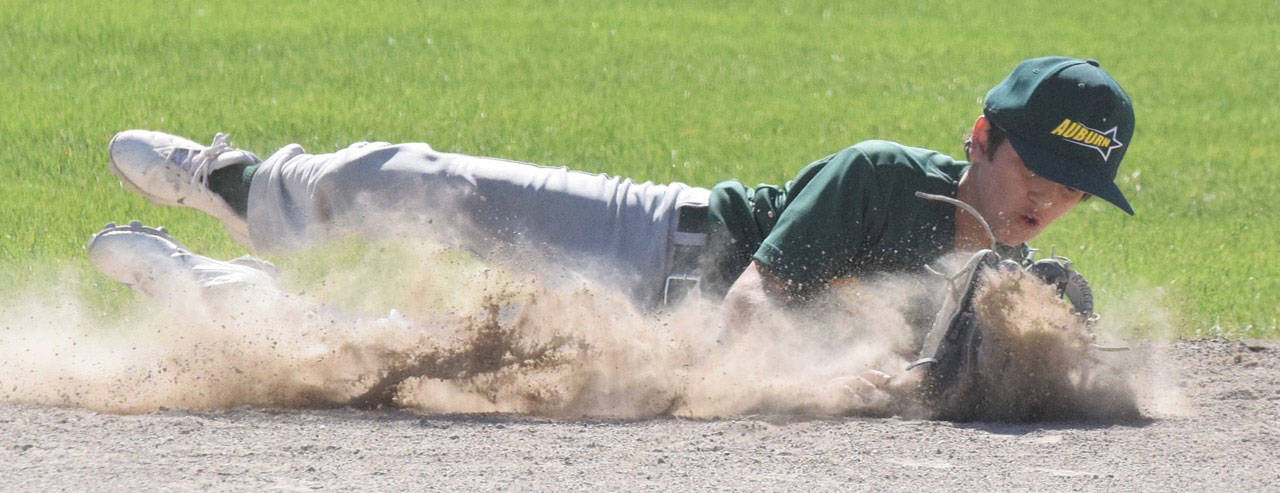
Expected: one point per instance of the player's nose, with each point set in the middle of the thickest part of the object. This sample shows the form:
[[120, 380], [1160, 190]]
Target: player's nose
[[1044, 192]]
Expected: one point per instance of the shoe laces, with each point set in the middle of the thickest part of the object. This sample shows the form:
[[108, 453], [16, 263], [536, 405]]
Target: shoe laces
[[204, 160]]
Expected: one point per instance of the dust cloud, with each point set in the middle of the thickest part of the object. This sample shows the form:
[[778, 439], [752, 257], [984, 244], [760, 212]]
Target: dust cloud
[[455, 336]]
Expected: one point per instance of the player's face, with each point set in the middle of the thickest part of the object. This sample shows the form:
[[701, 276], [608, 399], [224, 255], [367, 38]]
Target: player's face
[[1018, 203]]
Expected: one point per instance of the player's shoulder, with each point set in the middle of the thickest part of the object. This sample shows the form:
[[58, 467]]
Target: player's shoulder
[[892, 158]]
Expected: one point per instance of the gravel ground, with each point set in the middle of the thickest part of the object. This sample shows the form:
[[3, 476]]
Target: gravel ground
[[1228, 439]]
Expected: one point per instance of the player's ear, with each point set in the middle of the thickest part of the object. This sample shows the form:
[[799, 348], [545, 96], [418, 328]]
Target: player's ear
[[979, 137]]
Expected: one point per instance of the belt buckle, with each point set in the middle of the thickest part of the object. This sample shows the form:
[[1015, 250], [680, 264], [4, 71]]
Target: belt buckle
[[678, 286]]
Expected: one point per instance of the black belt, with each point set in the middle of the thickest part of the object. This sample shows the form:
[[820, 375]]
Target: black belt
[[688, 244]]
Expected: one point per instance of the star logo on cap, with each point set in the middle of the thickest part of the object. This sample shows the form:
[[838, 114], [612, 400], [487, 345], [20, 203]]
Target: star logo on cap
[[1081, 135]]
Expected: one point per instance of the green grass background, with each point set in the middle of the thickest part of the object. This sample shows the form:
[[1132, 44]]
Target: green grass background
[[688, 91]]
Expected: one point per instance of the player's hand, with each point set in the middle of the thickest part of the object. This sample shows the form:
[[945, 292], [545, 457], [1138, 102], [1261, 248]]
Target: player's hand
[[863, 388]]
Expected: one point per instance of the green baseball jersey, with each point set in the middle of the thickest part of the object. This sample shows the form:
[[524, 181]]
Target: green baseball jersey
[[849, 214]]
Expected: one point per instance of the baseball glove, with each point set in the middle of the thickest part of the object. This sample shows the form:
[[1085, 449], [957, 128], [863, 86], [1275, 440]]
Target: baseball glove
[[950, 351]]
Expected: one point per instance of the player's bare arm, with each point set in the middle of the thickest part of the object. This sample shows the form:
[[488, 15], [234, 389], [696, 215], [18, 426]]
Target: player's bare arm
[[755, 301]]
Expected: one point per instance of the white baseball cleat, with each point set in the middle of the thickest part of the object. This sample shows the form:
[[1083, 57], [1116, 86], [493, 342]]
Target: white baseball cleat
[[157, 264], [172, 170]]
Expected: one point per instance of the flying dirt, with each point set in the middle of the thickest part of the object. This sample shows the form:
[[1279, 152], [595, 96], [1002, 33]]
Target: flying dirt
[[562, 348]]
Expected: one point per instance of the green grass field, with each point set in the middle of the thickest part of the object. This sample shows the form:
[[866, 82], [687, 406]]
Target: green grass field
[[688, 91]]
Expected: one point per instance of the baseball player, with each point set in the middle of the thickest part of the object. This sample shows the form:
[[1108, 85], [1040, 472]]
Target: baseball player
[[1052, 133]]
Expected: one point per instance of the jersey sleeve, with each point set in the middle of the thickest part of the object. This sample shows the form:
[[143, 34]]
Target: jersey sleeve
[[827, 224]]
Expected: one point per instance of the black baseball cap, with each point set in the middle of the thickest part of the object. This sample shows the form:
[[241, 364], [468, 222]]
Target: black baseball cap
[[1068, 120]]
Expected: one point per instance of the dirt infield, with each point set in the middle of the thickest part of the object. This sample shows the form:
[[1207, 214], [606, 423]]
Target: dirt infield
[[1223, 436]]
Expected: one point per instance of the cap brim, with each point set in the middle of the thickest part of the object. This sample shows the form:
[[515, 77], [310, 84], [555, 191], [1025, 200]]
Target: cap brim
[[1054, 167]]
